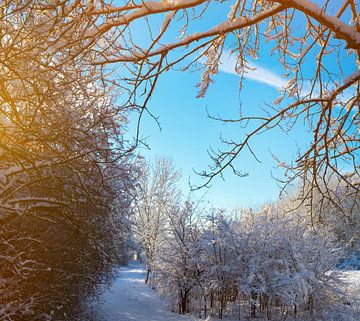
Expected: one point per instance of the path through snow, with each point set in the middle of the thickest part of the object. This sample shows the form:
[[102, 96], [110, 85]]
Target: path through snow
[[130, 299]]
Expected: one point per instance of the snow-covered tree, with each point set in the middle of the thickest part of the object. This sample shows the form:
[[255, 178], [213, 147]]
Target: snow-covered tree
[[65, 173], [176, 267], [156, 194]]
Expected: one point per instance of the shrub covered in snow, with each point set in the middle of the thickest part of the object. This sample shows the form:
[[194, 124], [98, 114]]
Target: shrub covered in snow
[[264, 263]]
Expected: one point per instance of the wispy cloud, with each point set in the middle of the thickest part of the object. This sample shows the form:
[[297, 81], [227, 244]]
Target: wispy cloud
[[270, 78], [257, 73]]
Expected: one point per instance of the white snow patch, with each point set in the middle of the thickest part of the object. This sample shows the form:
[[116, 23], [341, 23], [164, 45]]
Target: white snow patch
[[352, 282]]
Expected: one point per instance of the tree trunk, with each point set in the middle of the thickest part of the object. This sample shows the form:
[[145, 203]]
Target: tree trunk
[[147, 276], [253, 304]]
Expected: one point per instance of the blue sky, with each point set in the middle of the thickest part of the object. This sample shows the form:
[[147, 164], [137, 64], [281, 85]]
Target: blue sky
[[187, 133]]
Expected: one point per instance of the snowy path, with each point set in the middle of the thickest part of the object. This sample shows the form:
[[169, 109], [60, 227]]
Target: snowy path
[[130, 299]]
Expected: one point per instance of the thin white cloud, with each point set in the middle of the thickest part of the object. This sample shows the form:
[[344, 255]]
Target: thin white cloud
[[266, 76], [257, 73]]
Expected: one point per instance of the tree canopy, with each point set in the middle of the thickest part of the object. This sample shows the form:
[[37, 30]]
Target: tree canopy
[[132, 43]]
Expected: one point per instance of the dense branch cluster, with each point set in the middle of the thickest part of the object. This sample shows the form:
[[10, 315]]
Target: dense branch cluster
[[65, 173]]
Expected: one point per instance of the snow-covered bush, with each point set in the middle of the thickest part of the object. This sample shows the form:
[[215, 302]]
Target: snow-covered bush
[[267, 263], [341, 222], [286, 265]]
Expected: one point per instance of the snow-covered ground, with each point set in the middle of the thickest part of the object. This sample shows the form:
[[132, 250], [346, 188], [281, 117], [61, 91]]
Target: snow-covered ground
[[352, 283], [130, 299]]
